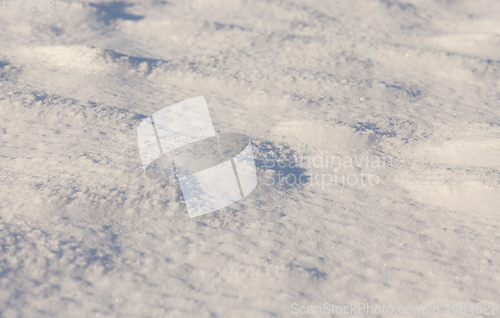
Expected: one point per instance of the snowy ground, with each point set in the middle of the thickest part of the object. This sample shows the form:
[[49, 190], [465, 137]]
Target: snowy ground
[[85, 234]]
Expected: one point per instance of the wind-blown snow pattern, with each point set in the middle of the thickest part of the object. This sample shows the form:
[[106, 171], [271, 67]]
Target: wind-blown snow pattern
[[413, 85]]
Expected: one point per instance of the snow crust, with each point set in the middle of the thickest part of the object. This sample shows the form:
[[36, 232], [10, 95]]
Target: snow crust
[[85, 233]]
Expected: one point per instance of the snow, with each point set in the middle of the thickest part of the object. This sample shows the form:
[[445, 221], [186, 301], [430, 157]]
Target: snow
[[85, 233]]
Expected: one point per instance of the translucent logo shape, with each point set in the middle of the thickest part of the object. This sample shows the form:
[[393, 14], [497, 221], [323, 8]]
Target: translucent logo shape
[[213, 171]]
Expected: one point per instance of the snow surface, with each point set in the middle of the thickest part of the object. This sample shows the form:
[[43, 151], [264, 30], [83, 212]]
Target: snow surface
[[84, 233]]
